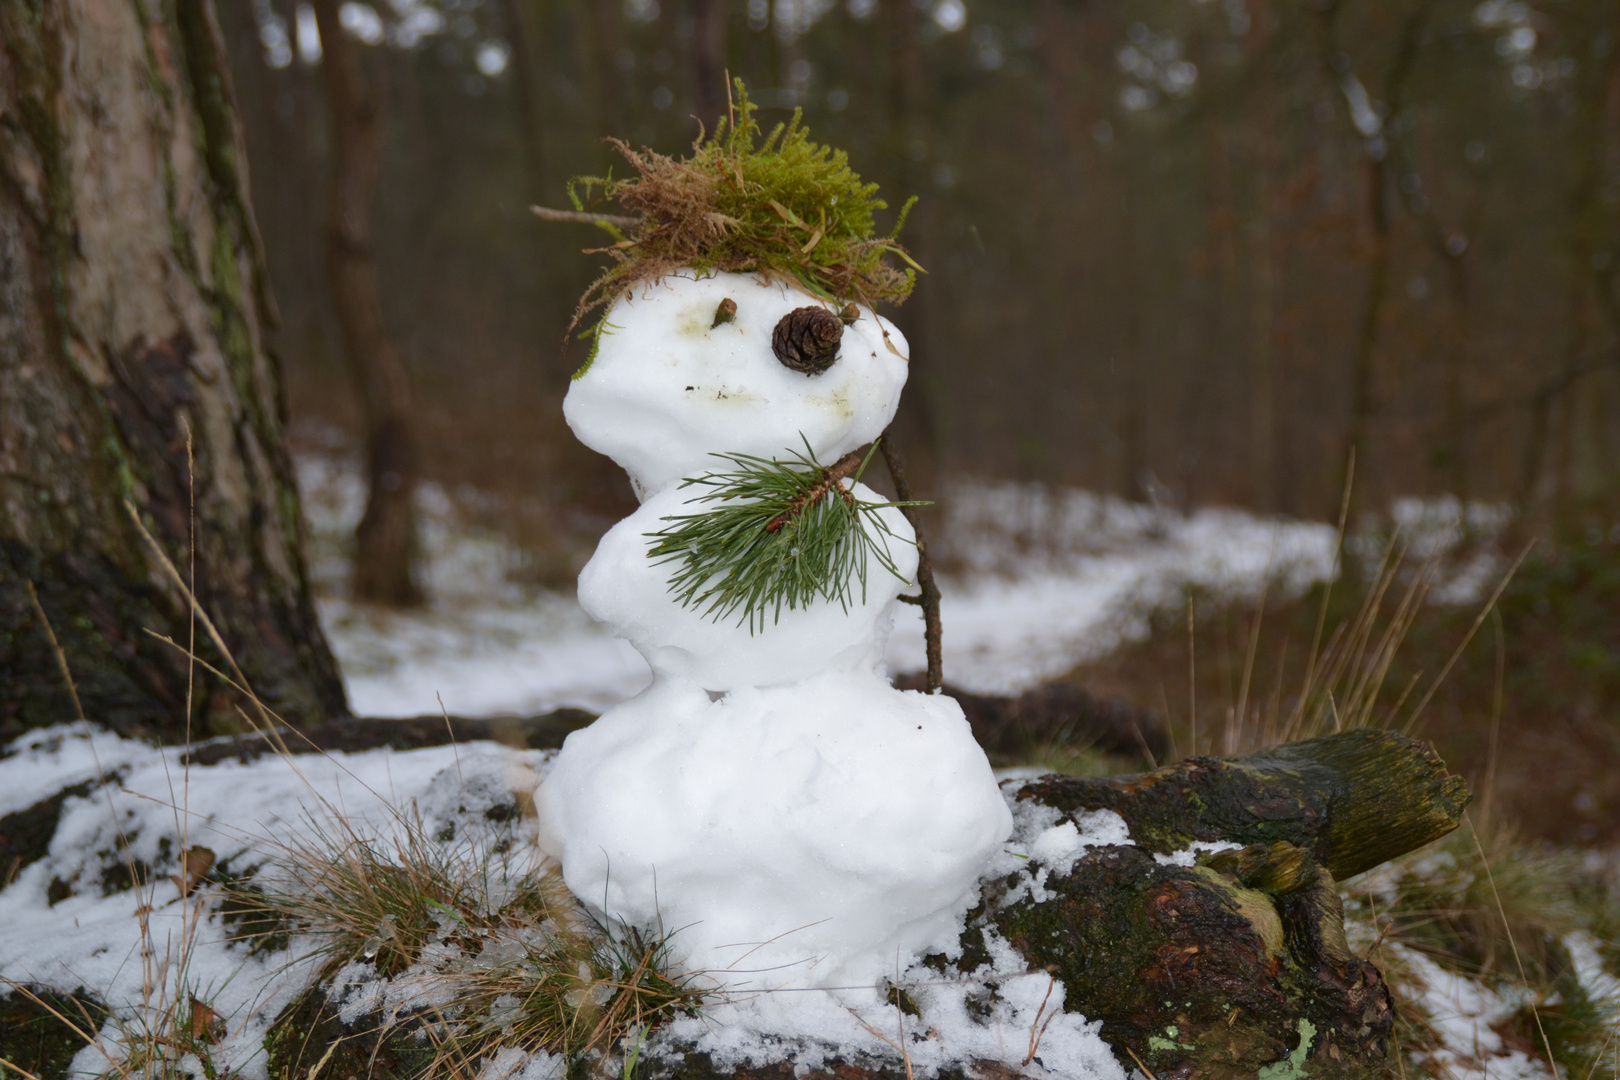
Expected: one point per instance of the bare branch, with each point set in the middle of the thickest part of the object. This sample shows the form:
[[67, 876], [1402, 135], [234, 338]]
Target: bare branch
[[546, 213]]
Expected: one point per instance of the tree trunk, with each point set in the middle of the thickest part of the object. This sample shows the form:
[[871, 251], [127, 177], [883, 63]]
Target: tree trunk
[[132, 300], [386, 541], [708, 59], [528, 81]]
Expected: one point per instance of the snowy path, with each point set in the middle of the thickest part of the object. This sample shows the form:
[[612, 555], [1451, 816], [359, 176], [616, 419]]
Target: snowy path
[[1050, 581]]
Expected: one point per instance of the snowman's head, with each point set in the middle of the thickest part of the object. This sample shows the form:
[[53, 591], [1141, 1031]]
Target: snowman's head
[[690, 366]]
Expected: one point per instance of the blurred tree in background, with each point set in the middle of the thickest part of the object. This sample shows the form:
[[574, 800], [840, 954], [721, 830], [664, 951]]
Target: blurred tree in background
[[1186, 250]]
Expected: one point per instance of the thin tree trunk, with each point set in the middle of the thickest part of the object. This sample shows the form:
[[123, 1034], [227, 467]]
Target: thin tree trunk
[[1554, 406], [1364, 361], [709, 61], [1262, 393], [386, 541], [528, 80], [1132, 386], [132, 370]]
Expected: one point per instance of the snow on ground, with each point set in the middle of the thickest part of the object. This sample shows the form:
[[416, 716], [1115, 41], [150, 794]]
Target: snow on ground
[[1046, 580], [139, 949], [68, 924], [488, 646], [1464, 1014]]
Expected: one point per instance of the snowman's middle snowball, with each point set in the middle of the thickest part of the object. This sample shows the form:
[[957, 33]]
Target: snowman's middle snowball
[[625, 589]]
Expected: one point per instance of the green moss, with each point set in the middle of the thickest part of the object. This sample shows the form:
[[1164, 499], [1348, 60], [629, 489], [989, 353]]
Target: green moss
[[595, 333], [782, 206]]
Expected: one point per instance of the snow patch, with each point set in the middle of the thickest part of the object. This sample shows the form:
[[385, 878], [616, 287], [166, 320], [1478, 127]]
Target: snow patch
[[154, 807], [1189, 855]]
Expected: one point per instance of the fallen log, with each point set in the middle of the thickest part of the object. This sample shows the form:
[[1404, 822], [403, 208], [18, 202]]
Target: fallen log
[[1355, 799], [1238, 961]]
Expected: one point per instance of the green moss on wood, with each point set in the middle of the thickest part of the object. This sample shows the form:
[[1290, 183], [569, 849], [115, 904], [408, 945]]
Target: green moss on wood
[[1329, 796]]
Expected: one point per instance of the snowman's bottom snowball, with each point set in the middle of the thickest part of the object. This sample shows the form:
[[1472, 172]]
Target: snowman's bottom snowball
[[804, 835]]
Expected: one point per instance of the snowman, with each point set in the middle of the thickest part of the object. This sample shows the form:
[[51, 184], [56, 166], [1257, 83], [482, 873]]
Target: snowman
[[770, 805], [770, 802]]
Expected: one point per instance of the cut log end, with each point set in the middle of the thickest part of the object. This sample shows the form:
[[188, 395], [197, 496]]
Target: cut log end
[[1354, 800]]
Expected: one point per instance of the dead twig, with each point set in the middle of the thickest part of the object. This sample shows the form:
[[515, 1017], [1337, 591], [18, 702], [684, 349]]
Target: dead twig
[[925, 565], [582, 217]]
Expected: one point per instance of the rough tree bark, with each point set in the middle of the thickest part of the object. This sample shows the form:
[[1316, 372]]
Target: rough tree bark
[[386, 541], [132, 300]]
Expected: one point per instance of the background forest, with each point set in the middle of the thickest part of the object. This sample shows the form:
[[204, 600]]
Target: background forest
[[1188, 251], [1191, 253]]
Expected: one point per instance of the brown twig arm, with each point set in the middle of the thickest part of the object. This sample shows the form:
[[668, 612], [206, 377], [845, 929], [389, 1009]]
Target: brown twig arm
[[925, 565], [546, 213], [839, 470]]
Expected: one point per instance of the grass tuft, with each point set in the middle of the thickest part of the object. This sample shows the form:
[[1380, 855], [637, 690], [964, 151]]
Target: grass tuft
[[485, 954], [1509, 916], [782, 206]]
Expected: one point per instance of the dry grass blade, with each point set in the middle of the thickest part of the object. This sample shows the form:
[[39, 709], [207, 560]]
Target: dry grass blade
[[197, 610], [1490, 605], [1507, 928]]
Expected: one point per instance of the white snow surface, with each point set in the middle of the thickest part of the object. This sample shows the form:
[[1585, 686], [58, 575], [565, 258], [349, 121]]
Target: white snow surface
[[1063, 578], [243, 811], [801, 833], [1026, 1028], [1188, 855], [624, 589], [240, 812], [667, 389], [1464, 1012], [486, 645]]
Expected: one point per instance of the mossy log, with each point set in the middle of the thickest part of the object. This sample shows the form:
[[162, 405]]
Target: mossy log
[[1353, 800], [1236, 965]]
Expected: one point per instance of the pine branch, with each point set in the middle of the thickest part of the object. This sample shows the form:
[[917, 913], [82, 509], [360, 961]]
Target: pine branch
[[845, 465], [777, 534]]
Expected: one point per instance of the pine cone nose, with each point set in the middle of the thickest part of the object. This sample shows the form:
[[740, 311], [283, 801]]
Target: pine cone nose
[[806, 339]]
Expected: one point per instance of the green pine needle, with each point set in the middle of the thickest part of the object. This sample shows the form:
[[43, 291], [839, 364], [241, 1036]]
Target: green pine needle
[[780, 534]]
